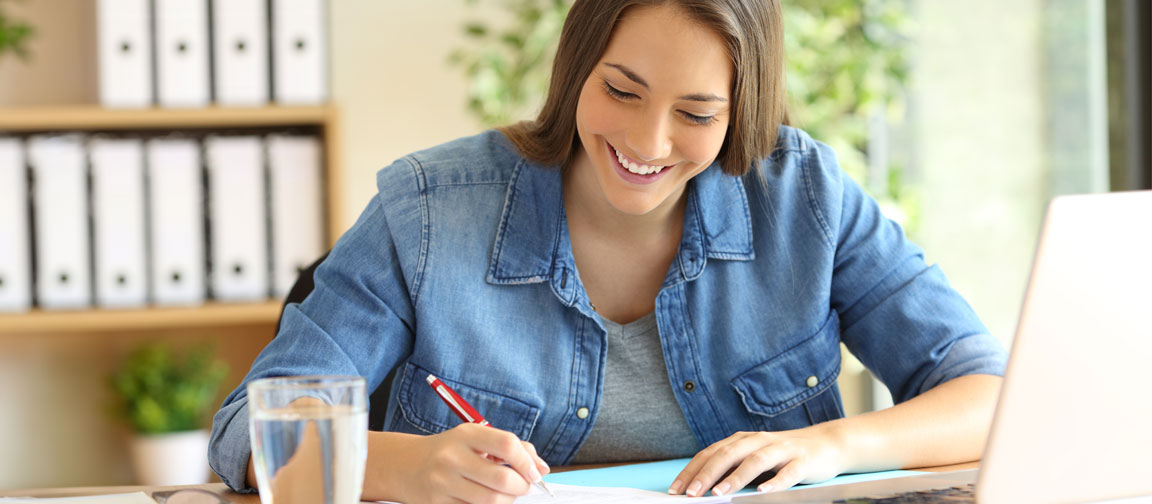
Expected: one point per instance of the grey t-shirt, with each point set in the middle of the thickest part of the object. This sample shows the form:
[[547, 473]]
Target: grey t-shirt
[[639, 418]]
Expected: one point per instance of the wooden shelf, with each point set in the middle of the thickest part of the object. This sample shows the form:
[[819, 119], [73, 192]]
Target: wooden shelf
[[98, 320], [82, 118], [94, 117]]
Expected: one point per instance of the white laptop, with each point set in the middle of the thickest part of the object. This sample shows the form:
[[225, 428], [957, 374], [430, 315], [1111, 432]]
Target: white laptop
[[1074, 419]]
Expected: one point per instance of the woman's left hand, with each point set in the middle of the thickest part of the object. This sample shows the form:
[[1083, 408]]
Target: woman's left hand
[[808, 455]]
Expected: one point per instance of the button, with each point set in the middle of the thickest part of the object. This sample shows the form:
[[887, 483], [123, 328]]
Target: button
[[689, 385], [812, 381], [582, 413]]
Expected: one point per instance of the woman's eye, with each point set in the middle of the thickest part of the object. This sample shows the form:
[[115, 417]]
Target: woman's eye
[[618, 94], [701, 120]]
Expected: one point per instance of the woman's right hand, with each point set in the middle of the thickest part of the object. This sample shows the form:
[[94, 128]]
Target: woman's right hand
[[471, 463]]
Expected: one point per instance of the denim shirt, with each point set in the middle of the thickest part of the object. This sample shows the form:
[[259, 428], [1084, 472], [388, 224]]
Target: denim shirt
[[462, 267]]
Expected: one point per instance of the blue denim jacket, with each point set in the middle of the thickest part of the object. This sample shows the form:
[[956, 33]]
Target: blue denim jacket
[[461, 266]]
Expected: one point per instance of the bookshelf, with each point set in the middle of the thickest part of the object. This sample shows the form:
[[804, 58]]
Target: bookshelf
[[211, 315], [99, 320]]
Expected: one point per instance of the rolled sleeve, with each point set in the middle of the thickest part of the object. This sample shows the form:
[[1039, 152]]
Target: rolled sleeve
[[230, 443], [971, 355]]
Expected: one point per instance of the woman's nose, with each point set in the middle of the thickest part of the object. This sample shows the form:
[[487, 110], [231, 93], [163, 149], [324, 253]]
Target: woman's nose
[[649, 140]]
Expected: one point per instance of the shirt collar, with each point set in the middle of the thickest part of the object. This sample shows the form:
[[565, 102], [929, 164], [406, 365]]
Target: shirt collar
[[532, 245]]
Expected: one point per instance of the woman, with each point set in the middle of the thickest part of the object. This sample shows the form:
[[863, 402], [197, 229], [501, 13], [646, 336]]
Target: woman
[[656, 267]]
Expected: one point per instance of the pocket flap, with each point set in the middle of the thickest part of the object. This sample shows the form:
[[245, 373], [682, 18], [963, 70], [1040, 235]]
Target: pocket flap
[[423, 408], [786, 380]]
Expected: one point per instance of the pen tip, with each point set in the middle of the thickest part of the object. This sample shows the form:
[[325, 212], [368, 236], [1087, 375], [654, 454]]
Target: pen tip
[[541, 484]]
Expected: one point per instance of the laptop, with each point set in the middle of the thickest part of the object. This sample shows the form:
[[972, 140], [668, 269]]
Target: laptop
[[1074, 418]]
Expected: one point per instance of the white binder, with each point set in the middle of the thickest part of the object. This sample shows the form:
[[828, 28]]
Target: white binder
[[60, 206], [15, 246], [299, 52], [176, 211], [237, 218], [295, 184], [182, 53], [118, 221], [125, 52], [240, 51]]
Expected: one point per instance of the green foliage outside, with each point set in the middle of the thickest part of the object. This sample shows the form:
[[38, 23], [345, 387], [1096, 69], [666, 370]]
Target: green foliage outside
[[14, 35], [846, 63], [159, 391]]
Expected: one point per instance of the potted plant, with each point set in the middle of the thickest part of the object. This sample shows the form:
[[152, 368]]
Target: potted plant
[[166, 400]]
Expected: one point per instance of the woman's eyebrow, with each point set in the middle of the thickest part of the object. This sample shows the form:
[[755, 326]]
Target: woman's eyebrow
[[701, 97]]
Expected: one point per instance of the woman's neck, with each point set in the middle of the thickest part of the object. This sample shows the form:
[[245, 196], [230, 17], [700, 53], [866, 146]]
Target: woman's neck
[[588, 208]]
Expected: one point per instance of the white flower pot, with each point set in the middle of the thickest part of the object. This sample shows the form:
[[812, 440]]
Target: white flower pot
[[177, 458]]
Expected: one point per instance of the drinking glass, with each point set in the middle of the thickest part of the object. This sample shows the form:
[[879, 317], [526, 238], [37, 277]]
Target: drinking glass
[[309, 438]]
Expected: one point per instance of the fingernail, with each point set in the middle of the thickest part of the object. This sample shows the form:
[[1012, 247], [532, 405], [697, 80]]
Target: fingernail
[[694, 489], [721, 489], [764, 488], [534, 474], [675, 488]]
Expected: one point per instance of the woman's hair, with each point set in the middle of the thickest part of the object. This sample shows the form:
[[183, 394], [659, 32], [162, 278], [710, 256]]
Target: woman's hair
[[754, 36]]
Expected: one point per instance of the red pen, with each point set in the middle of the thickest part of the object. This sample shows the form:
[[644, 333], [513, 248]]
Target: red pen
[[467, 413]]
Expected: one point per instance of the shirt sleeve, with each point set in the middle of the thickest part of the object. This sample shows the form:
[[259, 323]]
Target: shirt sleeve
[[898, 315], [358, 321]]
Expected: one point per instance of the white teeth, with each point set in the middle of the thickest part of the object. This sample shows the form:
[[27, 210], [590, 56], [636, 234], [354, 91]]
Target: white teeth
[[638, 169]]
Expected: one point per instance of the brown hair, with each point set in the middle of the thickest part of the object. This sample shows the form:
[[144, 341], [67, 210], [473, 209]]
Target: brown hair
[[754, 35]]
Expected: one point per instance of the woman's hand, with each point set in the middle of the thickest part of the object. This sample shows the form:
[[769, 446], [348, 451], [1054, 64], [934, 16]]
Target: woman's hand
[[472, 463], [806, 455]]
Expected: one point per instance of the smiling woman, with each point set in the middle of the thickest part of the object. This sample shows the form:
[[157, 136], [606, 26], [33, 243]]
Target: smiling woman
[[657, 266]]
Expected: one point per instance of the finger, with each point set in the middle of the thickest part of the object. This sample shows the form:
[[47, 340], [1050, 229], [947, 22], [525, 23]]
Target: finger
[[468, 490], [788, 477], [541, 465], [688, 474], [496, 477], [755, 464], [722, 461], [506, 446]]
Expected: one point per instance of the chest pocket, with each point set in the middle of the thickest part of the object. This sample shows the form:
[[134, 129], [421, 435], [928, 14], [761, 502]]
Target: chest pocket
[[796, 388], [421, 411]]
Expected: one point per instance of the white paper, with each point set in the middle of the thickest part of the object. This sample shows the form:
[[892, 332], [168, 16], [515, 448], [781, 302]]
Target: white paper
[[576, 494], [124, 498], [571, 494]]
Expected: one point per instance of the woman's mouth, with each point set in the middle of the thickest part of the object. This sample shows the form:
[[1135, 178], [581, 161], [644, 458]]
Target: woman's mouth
[[632, 171]]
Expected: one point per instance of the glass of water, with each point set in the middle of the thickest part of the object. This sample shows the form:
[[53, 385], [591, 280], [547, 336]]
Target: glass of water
[[309, 438]]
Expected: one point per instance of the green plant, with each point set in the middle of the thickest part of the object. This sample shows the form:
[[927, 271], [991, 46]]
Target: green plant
[[160, 392], [14, 36], [846, 63], [508, 68]]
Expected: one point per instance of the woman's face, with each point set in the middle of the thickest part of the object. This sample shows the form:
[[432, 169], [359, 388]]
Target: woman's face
[[654, 110]]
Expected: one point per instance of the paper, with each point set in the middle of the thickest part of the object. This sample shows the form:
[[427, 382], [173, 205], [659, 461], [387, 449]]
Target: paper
[[648, 482], [653, 479], [566, 494], [124, 498]]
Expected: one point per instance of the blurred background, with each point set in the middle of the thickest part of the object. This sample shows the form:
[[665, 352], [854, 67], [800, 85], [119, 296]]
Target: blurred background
[[962, 118]]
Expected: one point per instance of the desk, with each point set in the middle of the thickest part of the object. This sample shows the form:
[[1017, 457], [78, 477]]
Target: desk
[[235, 498]]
